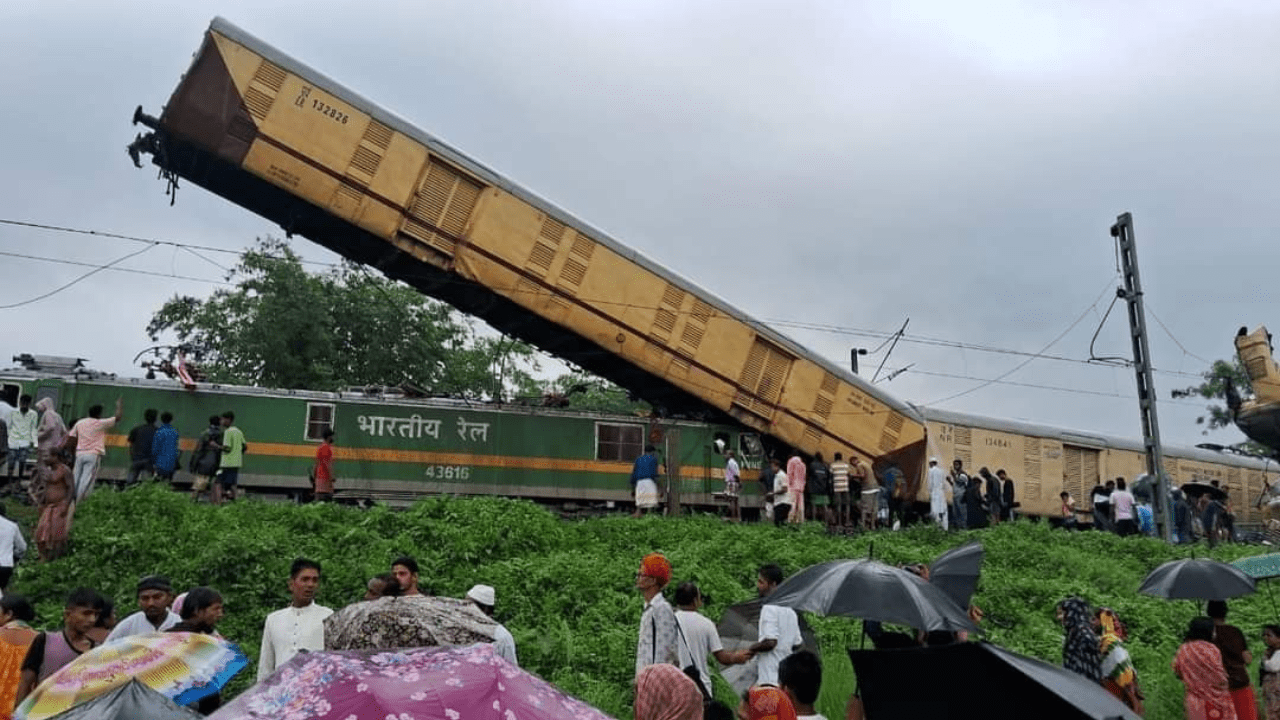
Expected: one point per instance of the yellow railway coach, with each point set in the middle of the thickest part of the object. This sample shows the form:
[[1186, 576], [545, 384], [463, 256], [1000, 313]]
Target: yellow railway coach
[[262, 130], [1044, 461]]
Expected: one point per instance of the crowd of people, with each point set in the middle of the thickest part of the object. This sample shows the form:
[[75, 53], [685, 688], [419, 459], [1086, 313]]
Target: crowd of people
[[28, 656], [64, 461], [1212, 661], [672, 679]]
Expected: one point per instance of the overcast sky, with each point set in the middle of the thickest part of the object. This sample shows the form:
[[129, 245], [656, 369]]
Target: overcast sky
[[841, 164]]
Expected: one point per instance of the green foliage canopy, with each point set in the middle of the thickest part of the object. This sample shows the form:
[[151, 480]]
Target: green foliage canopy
[[280, 325]]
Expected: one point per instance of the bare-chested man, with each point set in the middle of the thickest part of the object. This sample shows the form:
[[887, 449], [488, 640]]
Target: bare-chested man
[[53, 494]]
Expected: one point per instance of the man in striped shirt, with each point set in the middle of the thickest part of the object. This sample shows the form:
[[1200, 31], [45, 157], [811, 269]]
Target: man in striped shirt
[[840, 488]]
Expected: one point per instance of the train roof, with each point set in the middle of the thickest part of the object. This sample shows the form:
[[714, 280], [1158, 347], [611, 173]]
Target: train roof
[[226, 28], [348, 396], [1089, 439]]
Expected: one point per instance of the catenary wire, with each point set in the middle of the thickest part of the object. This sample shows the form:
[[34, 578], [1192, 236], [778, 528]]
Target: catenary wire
[[1028, 361], [85, 276], [820, 327]]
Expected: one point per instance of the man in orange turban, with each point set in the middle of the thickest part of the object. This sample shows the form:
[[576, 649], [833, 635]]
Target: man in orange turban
[[657, 639]]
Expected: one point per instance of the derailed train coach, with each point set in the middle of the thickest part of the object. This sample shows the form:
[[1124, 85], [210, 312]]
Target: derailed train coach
[[396, 449], [1044, 461], [259, 128]]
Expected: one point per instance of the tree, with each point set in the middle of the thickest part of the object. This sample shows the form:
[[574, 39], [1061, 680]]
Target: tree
[[282, 326], [1219, 376], [578, 390]]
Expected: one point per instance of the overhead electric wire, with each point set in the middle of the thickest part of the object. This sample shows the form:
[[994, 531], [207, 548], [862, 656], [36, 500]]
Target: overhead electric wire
[[1028, 361], [819, 327], [85, 276], [132, 271], [1168, 332]]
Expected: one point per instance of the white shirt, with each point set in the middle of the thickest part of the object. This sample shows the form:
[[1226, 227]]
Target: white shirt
[[731, 473], [700, 638], [811, 717], [22, 429], [138, 624], [289, 630], [1122, 501], [11, 542], [781, 624], [781, 490], [504, 645]]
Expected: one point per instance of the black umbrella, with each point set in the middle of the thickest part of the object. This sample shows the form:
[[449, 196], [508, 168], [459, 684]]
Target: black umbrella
[[739, 628], [956, 572], [1197, 580], [871, 590], [129, 702], [1194, 490], [890, 682]]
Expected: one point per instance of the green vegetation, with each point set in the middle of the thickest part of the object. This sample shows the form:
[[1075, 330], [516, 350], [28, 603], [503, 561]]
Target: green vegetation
[[281, 325], [565, 588]]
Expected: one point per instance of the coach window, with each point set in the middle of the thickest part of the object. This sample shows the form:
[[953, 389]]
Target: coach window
[[319, 417], [10, 393], [616, 441]]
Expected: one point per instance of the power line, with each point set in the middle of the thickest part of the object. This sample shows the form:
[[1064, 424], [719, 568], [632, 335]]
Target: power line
[[1169, 332], [1026, 362], [87, 275], [820, 327], [132, 271]]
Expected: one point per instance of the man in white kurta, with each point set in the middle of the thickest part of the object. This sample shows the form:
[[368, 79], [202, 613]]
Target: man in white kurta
[[504, 645], [937, 493], [297, 627]]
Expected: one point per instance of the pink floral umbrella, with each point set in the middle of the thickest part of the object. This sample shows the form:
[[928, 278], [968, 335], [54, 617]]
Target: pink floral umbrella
[[434, 683]]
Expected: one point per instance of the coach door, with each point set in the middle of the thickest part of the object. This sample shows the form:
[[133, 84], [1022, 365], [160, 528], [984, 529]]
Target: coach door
[[1079, 473]]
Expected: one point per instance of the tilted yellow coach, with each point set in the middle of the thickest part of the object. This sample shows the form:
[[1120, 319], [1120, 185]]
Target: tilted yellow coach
[[261, 129]]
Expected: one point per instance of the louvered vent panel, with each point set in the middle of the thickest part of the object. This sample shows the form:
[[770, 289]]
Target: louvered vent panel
[[703, 312], [270, 74], [572, 273], [691, 337], [378, 134], [459, 212], [822, 407], [541, 256], [673, 296], [751, 369], [258, 102], [829, 384], [584, 247], [775, 372], [664, 319], [894, 422], [1073, 473], [552, 230]]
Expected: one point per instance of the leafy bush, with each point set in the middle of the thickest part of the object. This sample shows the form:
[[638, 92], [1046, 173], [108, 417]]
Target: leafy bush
[[565, 589]]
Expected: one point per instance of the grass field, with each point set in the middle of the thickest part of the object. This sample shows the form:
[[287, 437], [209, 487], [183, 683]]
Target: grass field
[[565, 588]]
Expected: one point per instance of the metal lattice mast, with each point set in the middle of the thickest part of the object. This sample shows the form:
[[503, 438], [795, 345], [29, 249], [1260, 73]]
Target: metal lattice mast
[[1122, 231]]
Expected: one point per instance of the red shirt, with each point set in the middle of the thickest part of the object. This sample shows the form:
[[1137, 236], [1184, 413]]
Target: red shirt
[[324, 468]]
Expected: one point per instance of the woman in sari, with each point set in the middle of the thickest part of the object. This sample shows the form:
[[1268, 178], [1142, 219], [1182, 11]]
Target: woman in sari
[[15, 636], [766, 703], [1198, 664], [664, 692], [1080, 643], [1119, 676], [1269, 672]]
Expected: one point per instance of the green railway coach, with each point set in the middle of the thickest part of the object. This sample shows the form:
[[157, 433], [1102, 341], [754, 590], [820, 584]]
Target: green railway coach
[[395, 449]]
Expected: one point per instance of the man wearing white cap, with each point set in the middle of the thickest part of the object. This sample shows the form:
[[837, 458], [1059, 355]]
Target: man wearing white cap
[[503, 644], [937, 493]]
